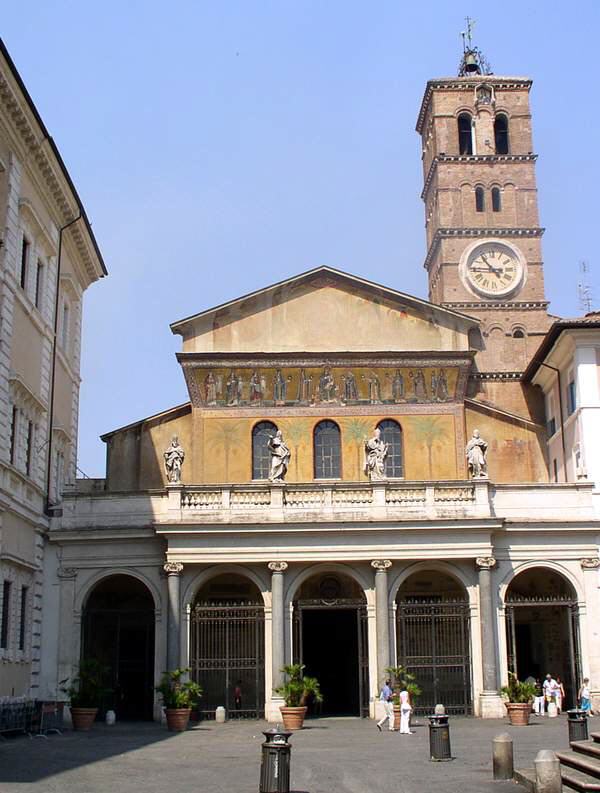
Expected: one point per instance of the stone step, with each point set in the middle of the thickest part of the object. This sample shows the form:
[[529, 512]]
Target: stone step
[[586, 747], [575, 780], [595, 736], [586, 765]]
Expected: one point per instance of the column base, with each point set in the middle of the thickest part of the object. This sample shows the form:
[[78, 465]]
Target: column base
[[272, 712], [491, 705]]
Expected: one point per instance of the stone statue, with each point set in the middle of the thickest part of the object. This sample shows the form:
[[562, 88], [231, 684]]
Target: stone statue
[[174, 457], [476, 456], [375, 453], [280, 457]]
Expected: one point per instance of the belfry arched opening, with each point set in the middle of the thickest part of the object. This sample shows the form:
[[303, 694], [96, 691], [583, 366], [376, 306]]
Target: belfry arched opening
[[330, 639], [542, 628]]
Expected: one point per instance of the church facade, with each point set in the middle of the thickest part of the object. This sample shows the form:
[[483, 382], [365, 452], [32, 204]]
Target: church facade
[[233, 558]]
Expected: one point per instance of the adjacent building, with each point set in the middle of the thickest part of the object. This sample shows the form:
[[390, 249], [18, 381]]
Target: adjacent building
[[48, 258]]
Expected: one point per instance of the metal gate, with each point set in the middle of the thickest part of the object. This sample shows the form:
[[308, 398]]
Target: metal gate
[[433, 640], [227, 657], [363, 639]]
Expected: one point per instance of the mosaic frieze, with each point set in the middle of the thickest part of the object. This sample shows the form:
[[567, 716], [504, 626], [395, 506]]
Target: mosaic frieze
[[280, 386]]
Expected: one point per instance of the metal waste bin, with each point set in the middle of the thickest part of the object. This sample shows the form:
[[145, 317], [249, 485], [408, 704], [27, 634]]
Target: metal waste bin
[[578, 725], [275, 764], [439, 738]]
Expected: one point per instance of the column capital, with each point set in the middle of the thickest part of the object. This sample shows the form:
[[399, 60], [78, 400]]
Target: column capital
[[381, 564], [173, 568], [485, 562], [277, 567], [66, 572], [590, 564]]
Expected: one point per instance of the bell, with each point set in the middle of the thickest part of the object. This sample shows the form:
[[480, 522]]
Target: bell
[[471, 63]]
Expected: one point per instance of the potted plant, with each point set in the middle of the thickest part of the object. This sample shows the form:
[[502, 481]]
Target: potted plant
[[178, 697], [520, 696], [86, 693], [401, 679], [297, 691]]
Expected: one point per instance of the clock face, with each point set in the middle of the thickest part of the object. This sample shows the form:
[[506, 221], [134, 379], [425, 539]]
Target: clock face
[[493, 269]]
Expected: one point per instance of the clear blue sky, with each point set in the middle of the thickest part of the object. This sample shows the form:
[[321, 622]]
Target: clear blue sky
[[220, 146]]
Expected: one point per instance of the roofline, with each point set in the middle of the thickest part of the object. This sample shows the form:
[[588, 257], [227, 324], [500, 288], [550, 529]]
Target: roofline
[[133, 424], [322, 269], [63, 168], [550, 339]]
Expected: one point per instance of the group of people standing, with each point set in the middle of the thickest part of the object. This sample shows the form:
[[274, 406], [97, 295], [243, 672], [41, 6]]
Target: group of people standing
[[552, 691], [387, 697]]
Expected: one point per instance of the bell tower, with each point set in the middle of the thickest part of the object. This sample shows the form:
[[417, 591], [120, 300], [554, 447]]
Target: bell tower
[[484, 253]]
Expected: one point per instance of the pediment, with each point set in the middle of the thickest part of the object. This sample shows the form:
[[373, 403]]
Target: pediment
[[324, 311]]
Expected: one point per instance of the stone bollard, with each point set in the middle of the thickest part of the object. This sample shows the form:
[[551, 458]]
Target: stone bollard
[[502, 756], [547, 772], [220, 715]]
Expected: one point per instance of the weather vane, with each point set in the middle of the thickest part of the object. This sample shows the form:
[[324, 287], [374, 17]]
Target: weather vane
[[466, 34], [473, 60]]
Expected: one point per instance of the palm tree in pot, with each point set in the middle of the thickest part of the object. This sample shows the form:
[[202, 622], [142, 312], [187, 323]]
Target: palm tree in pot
[[87, 692], [178, 697], [297, 691], [520, 696]]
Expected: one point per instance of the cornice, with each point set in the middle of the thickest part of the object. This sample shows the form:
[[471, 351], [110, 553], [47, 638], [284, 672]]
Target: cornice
[[472, 158], [513, 305], [470, 232], [425, 358], [495, 376]]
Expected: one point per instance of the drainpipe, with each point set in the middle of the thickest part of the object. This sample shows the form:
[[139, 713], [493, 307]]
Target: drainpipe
[[560, 409], [48, 506]]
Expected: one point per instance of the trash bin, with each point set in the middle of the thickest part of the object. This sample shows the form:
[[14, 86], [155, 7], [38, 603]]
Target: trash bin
[[439, 738], [578, 725], [275, 763]]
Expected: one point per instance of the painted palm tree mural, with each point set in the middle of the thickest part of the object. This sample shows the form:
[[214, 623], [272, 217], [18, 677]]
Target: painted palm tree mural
[[430, 431], [357, 430], [223, 438], [297, 435]]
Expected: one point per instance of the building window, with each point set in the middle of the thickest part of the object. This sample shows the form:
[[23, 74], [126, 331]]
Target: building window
[[391, 433], [465, 136], [555, 469], [496, 200], [59, 473], [261, 457], [518, 333], [39, 284], [479, 199], [501, 133], [23, 617], [326, 446], [5, 615], [25, 246], [29, 448], [65, 327], [551, 427], [13, 434], [571, 397]]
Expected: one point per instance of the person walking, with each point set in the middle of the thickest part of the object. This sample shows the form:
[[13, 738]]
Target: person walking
[[585, 699], [538, 700], [549, 691], [386, 697], [559, 694], [405, 709]]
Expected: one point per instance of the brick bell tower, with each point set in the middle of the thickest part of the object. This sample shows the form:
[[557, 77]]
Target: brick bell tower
[[484, 253]]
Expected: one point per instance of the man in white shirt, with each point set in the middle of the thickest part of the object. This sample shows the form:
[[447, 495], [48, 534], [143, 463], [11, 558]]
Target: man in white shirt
[[550, 688]]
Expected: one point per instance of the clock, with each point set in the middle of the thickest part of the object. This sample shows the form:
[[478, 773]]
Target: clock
[[493, 269]]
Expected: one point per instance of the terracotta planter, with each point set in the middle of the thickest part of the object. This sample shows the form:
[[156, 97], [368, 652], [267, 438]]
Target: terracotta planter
[[83, 718], [397, 715], [518, 713], [293, 718], [177, 718]]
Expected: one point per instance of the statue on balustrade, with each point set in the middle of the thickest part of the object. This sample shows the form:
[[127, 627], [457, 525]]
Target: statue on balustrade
[[376, 451], [280, 457], [477, 456], [174, 457]]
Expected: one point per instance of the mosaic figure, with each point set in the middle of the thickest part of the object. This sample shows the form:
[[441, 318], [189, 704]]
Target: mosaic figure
[[256, 387], [350, 389], [210, 389], [419, 387], [279, 387], [304, 387], [234, 389], [398, 386], [326, 386], [374, 388]]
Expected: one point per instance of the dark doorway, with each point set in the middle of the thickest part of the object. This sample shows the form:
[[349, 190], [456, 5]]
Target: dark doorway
[[118, 631], [330, 653]]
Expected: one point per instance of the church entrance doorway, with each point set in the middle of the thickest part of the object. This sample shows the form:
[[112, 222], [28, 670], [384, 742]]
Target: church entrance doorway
[[118, 631], [330, 639], [433, 640], [542, 629], [227, 647]]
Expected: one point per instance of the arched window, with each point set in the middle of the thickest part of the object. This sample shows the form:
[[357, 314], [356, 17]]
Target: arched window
[[479, 199], [518, 333], [391, 433], [261, 457], [326, 449], [465, 138], [496, 199], [501, 133]]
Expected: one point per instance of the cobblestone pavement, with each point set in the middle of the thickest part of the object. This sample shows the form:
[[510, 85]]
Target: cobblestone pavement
[[328, 756]]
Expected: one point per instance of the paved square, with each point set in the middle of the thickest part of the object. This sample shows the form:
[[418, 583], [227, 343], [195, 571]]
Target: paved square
[[328, 756]]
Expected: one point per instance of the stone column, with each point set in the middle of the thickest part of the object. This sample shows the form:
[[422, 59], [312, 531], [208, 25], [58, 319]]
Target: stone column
[[277, 638], [173, 571], [490, 700], [381, 566], [67, 657], [591, 657]]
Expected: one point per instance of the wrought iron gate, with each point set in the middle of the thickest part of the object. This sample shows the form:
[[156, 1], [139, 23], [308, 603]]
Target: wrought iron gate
[[433, 642], [227, 656], [363, 639]]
